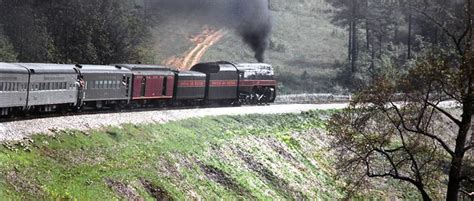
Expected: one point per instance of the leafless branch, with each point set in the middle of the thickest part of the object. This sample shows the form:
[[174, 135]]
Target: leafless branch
[[431, 156], [393, 150], [445, 87], [395, 176], [469, 194], [389, 158], [468, 148], [450, 95], [425, 106], [422, 132], [468, 179], [415, 167], [432, 113], [447, 114]]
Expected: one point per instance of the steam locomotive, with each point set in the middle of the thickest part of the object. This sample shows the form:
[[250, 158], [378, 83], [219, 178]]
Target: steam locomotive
[[27, 88]]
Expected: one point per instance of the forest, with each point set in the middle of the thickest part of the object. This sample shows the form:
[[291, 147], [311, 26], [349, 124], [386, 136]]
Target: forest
[[386, 37], [92, 31]]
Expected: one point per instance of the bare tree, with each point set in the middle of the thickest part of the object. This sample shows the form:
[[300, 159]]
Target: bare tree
[[398, 127]]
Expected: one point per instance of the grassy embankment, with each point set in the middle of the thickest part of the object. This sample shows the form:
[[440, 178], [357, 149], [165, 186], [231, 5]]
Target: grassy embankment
[[255, 156]]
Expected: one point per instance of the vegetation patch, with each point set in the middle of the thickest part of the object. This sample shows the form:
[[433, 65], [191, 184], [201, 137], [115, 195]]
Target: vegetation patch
[[226, 157], [155, 191], [19, 182], [224, 179], [269, 177], [123, 190]]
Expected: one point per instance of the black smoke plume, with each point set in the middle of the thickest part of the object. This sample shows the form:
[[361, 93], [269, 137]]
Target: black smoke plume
[[250, 19]]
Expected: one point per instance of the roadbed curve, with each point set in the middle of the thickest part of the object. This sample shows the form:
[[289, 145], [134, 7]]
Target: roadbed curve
[[12, 131]]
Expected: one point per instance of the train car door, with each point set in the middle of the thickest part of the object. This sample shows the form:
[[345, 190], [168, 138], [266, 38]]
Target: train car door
[[165, 86], [143, 87], [169, 86], [126, 84]]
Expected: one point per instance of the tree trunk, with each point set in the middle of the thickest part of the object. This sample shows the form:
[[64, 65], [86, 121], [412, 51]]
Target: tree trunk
[[380, 46], [367, 35], [372, 62], [354, 48], [410, 21], [457, 160], [467, 66], [423, 192], [367, 31], [349, 50], [455, 172]]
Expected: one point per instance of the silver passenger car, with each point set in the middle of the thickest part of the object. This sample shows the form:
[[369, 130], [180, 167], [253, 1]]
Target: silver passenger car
[[105, 85], [13, 88], [52, 86]]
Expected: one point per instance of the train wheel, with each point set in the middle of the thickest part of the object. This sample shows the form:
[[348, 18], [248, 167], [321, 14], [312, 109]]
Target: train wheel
[[99, 105], [261, 96], [253, 98], [237, 103], [3, 112], [63, 109], [268, 95], [117, 107]]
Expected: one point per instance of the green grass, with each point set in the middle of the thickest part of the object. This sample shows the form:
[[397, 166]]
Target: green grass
[[227, 157]]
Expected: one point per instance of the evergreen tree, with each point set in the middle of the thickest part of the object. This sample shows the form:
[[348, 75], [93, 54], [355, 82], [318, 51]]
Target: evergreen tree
[[76, 31], [7, 54]]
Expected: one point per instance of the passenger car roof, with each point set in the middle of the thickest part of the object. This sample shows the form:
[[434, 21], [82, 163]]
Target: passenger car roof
[[102, 69], [12, 68], [142, 67], [39, 68]]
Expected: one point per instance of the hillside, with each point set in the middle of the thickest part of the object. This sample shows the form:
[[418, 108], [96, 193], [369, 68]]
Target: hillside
[[303, 38], [305, 47], [256, 157], [209, 158]]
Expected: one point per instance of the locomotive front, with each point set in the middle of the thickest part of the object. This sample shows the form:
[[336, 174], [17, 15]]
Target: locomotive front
[[257, 83]]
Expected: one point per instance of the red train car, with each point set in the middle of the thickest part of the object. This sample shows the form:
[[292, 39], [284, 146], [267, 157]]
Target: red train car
[[151, 84]]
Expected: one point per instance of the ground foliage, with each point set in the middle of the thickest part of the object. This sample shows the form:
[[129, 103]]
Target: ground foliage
[[227, 157]]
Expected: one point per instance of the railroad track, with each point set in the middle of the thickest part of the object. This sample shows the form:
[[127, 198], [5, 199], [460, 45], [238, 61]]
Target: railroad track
[[96, 112], [281, 100], [50, 124]]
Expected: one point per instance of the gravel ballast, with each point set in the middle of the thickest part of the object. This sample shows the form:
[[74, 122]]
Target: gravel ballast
[[11, 131]]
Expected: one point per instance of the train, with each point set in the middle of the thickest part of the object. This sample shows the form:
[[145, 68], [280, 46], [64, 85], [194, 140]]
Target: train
[[31, 88]]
